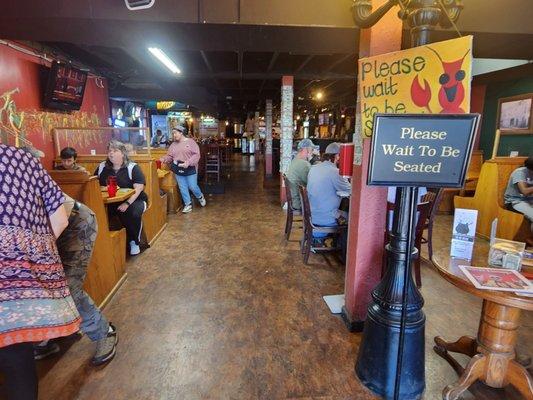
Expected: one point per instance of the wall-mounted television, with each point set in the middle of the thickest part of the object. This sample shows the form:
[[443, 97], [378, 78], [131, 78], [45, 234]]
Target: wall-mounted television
[[65, 87]]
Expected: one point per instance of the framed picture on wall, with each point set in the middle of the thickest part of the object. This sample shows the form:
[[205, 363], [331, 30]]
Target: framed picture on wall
[[515, 114]]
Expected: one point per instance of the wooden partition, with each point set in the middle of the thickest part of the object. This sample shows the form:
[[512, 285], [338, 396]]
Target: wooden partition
[[488, 200], [168, 183], [155, 216], [107, 269]]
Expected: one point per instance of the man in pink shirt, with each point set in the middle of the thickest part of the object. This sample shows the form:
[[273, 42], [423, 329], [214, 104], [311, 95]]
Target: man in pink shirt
[[184, 155]]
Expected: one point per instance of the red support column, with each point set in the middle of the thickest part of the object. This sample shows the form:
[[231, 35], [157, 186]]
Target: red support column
[[368, 205]]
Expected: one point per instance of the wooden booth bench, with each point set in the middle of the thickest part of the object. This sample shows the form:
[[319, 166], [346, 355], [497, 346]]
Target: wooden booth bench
[[155, 216], [471, 180], [107, 269], [488, 200], [168, 182]]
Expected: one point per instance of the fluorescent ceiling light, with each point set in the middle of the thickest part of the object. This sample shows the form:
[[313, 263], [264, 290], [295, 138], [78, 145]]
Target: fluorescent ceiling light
[[161, 56]]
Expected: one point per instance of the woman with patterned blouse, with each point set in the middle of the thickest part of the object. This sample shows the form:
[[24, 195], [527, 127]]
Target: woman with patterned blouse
[[35, 303]]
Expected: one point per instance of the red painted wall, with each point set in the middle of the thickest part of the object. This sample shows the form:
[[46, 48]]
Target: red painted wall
[[21, 110]]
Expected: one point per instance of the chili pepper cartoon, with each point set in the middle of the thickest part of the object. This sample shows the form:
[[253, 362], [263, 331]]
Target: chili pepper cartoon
[[451, 92]]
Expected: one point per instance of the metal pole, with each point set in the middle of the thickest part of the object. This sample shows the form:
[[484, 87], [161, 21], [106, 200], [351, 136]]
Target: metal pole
[[411, 208]]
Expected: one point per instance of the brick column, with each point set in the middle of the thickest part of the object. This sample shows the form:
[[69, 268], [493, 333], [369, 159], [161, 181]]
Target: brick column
[[287, 121], [368, 205], [268, 141]]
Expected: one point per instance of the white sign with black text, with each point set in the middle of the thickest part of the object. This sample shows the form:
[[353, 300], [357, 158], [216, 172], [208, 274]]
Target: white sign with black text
[[464, 233]]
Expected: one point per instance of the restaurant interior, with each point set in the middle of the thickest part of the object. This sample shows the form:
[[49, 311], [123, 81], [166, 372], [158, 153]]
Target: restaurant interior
[[232, 296]]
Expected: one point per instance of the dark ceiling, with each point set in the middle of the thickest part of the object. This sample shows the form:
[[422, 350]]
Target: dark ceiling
[[232, 79], [233, 53]]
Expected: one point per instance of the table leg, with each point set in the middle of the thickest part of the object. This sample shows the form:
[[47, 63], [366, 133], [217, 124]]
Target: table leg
[[520, 379], [473, 371], [464, 345], [495, 365]]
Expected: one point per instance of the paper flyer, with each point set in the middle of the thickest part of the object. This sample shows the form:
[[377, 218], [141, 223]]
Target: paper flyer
[[463, 233]]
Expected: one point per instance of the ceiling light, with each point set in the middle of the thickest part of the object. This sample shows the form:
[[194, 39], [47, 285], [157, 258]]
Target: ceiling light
[[319, 95], [161, 56], [343, 116]]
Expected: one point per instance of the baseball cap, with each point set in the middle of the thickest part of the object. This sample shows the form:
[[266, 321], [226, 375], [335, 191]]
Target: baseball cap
[[333, 148], [180, 128], [306, 143]]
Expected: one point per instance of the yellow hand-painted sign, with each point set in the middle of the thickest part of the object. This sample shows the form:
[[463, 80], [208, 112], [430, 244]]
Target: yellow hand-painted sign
[[432, 79], [165, 105]]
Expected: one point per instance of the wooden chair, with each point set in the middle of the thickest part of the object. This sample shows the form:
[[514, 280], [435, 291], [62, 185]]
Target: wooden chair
[[310, 228], [213, 164], [423, 210], [433, 196], [291, 211]]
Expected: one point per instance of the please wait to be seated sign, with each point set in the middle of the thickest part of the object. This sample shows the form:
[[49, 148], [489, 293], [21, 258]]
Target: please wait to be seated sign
[[421, 149]]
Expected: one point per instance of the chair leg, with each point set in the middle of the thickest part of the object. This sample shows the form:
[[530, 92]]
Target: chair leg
[[288, 226], [418, 278], [307, 250], [430, 241]]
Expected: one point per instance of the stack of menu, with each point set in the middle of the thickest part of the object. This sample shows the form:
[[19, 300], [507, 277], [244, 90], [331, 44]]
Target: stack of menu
[[498, 279]]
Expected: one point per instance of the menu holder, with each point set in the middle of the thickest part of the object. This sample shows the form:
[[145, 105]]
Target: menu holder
[[506, 254]]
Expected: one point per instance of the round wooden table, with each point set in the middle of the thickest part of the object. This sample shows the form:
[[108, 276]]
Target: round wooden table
[[493, 351]]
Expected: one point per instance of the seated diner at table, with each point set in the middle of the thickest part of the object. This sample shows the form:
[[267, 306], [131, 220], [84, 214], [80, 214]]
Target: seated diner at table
[[128, 175], [323, 187], [519, 193], [69, 157]]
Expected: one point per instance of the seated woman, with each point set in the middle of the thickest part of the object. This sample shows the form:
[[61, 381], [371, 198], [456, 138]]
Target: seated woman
[[128, 175], [519, 192]]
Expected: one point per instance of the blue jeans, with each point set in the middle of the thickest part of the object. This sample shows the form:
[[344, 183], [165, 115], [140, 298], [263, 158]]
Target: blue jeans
[[186, 183]]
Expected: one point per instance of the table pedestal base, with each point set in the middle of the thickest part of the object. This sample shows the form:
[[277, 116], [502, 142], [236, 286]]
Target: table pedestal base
[[493, 354]]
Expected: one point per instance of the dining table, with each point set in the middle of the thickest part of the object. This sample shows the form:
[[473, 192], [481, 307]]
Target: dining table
[[122, 195], [493, 357]]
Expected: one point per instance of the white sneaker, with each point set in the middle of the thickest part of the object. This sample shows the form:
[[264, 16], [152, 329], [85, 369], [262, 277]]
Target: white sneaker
[[187, 209], [134, 248], [202, 201]]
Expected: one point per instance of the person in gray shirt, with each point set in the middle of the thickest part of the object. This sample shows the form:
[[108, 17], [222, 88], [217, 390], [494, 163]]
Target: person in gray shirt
[[519, 192], [299, 169]]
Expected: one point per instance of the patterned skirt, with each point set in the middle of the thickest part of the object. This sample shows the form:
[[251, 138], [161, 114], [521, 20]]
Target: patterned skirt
[[35, 302]]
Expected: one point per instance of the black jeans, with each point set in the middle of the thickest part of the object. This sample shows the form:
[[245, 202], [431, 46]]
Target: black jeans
[[18, 367], [131, 219]]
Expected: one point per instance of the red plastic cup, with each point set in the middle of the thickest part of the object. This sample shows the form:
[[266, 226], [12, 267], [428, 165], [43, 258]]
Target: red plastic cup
[[112, 190], [158, 163], [346, 160]]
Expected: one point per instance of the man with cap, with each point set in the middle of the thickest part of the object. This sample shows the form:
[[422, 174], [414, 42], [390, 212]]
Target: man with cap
[[323, 183], [299, 169]]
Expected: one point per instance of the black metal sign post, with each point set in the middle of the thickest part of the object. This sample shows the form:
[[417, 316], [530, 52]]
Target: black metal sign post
[[408, 151]]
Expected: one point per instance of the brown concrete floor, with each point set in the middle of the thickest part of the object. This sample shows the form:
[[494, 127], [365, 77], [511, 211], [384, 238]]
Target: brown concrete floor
[[221, 308]]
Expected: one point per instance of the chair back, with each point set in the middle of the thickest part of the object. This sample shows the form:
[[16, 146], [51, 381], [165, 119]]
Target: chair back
[[423, 209], [288, 193], [306, 208], [433, 196]]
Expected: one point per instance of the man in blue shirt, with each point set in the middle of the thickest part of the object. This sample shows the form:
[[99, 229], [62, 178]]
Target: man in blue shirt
[[323, 186]]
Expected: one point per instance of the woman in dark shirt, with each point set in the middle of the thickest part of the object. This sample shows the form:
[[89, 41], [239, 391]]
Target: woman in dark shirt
[[128, 175]]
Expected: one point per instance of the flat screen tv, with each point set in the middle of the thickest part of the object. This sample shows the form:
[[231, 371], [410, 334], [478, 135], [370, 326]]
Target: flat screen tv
[[65, 88]]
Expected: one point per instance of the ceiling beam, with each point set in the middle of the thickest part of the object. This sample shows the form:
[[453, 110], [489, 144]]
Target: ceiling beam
[[304, 63], [269, 75], [210, 69], [339, 61], [273, 60]]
